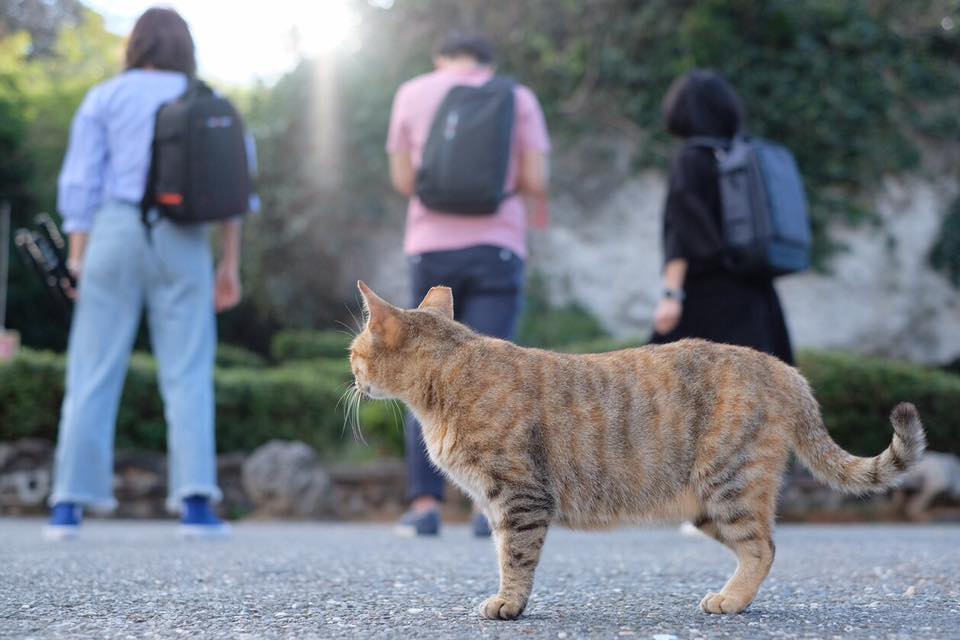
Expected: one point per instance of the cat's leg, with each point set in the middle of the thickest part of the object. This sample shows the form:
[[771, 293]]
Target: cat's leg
[[520, 528], [745, 527], [707, 526]]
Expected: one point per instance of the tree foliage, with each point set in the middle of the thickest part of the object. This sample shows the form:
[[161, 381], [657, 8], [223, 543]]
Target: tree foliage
[[856, 88], [40, 88]]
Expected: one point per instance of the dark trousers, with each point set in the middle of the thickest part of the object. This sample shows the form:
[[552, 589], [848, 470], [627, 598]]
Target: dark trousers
[[487, 285]]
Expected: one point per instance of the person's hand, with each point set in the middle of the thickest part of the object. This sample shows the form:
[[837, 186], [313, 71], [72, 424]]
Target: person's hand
[[227, 291], [73, 267], [76, 253], [667, 315]]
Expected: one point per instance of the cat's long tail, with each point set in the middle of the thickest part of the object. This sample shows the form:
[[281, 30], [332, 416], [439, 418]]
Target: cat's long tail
[[831, 464]]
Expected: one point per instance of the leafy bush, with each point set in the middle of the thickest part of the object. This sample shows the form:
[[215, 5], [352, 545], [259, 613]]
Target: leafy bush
[[857, 394], [229, 355], [304, 344], [602, 345], [302, 401], [552, 327], [253, 406]]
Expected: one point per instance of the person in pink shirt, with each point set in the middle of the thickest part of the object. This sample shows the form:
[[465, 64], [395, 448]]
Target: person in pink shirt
[[481, 257]]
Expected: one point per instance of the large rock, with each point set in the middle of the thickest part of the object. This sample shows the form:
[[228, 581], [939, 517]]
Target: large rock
[[25, 475], [285, 479]]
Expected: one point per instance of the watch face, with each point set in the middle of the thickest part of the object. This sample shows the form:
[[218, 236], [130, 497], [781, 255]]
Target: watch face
[[673, 294]]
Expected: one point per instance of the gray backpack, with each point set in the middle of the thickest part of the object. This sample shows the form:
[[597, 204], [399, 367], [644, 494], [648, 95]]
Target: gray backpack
[[766, 223]]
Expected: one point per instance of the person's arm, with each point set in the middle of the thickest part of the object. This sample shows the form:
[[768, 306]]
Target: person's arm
[[402, 174], [77, 251], [228, 290], [670, 308], [80, 184], [533, 174]]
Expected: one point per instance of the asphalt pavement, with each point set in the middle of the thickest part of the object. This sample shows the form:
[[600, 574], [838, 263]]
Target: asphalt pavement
[[317, 580]]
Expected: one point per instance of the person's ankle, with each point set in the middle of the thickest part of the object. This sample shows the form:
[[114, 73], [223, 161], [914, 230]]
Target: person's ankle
[[424, 504]]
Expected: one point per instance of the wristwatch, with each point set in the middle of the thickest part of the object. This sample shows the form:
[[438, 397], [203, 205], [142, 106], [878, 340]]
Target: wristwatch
[[674, 294]]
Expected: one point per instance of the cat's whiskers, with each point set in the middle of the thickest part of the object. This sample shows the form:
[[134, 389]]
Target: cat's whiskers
[[356, 321], [347, 330], [349, 387], [348, 394], [357, 431], [398, 412]]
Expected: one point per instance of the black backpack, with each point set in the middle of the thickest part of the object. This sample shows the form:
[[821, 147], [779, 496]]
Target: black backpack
[[465, 159], [198, 166], [766, 223]]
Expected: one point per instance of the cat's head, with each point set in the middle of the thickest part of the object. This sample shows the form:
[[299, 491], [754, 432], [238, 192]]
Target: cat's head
[[385, 356]]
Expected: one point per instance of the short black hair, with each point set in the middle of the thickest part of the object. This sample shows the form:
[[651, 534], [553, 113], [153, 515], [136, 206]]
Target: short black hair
[[464, 43], [702, 103]]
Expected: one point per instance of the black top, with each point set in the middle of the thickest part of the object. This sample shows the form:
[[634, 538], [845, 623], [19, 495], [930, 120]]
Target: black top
[[720, 306], [692, 216]]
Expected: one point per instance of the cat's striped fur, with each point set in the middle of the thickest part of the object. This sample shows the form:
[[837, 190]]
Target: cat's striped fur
[[686, 430]]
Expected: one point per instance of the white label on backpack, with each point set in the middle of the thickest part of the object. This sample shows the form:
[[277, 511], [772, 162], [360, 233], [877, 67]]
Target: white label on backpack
[[450, 128], [221, 122]]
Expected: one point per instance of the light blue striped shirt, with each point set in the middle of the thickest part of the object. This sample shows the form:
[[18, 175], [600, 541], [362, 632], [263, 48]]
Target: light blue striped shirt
[[109, 151]]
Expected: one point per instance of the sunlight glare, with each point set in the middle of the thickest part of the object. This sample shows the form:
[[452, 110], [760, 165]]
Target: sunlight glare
[[324, 27]]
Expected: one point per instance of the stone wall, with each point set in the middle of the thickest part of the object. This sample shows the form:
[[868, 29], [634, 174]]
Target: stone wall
[[286, 480]]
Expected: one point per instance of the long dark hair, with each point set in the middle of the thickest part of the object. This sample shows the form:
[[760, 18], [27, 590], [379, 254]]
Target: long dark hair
[[161, 39], [702, 103]]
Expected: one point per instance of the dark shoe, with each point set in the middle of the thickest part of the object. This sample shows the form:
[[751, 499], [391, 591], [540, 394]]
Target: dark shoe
[[481, 526], [418, 523], [199, 520], [65, 519]]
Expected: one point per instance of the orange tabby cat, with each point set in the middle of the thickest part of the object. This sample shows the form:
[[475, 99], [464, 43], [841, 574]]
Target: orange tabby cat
[[686, 430]]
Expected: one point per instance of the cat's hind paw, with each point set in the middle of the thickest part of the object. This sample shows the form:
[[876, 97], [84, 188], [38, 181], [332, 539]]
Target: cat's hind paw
[[499, 608], [722, 603]]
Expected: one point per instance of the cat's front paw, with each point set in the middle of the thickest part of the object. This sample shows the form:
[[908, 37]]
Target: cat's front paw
[[723, 603], [499, 608]]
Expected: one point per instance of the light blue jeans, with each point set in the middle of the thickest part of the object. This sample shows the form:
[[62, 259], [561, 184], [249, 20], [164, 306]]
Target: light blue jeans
[[122, 272]]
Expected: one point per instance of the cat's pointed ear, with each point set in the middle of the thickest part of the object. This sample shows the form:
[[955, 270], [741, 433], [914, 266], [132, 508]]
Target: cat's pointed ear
[[439, 299], [382, 317]]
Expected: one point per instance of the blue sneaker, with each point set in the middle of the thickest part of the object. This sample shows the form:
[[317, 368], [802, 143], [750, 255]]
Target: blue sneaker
[[65, 519], [199, 520], [481, 526], [418, 523]]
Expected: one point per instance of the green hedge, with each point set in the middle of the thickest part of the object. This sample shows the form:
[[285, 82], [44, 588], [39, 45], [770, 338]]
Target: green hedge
[[303, 344], [254, 405], [229, 355], [299, 400], [857, 394]]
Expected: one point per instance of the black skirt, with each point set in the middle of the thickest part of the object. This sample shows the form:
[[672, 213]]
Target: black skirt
[[722, 307]]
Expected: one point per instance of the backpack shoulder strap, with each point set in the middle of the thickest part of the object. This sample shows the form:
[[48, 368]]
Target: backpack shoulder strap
[[501, 83], [150, 190]]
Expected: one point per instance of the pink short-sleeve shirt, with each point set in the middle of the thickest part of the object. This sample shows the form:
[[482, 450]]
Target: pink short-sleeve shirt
[[414, 107]]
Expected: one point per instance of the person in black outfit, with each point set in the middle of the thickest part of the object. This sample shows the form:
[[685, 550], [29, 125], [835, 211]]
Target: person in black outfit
[[701, 298]]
